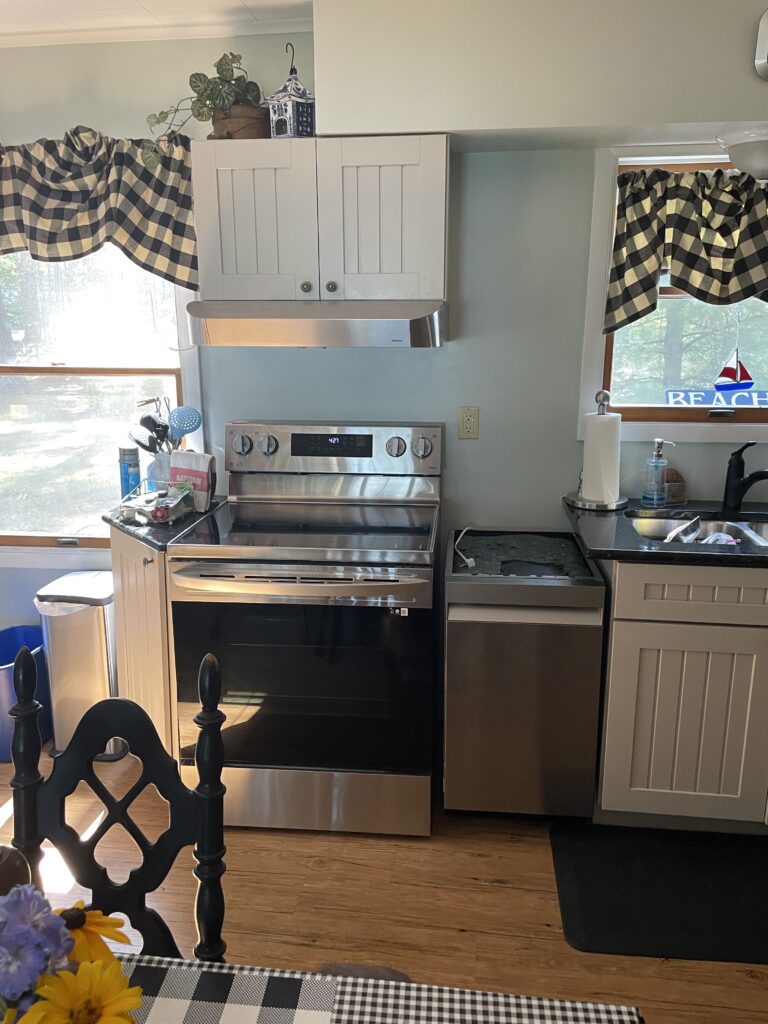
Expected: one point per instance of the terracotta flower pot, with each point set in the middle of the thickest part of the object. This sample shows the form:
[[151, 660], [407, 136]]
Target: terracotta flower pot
[[241, 122]]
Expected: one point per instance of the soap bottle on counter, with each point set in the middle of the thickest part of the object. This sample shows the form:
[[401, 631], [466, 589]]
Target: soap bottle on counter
[[655, 487]]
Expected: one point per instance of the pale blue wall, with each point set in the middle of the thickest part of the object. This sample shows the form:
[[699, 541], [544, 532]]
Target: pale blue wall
[[520, 227]]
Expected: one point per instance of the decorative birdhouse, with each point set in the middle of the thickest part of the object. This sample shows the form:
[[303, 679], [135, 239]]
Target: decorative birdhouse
[[292, 107]]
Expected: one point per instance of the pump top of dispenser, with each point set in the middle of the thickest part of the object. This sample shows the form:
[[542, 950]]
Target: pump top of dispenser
[[658, 447]]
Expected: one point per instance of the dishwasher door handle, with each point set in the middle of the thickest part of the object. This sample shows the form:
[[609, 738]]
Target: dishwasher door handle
[[525, 615]]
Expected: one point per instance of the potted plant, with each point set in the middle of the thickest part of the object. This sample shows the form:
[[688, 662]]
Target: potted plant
[[230, 99]]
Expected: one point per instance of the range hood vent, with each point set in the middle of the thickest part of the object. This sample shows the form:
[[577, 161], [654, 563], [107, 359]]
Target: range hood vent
[[366, 324]]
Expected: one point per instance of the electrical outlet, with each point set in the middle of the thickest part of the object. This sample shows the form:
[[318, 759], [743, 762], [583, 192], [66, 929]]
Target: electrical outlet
[[469, 421]]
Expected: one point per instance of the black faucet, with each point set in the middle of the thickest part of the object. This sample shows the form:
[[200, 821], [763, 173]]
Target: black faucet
[[736, 484]]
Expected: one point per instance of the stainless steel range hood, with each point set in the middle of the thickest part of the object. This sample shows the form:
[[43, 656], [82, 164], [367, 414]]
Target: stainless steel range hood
[[368, 324]]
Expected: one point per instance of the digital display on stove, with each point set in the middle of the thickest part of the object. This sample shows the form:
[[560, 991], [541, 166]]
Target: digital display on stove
[[343, 446]]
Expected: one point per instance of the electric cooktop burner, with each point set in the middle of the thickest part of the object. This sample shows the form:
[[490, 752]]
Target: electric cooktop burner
[[324, 493], [299, 525]]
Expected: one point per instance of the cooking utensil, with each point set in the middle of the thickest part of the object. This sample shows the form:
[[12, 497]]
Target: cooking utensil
[[150, 401], [185, 419], [144, 439], [687, 532], [155, 425]]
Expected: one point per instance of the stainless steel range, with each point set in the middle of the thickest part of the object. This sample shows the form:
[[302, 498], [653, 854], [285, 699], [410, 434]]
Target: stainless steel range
[[313, 584]]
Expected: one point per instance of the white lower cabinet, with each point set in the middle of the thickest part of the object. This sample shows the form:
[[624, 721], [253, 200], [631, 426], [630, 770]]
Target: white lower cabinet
[[141, 628], [686, 717]]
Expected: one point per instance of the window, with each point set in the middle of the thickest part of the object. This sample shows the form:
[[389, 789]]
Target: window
[[664, 366], [81, 344]]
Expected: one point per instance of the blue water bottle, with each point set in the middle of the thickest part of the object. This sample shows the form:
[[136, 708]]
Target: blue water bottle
[[130, 474]]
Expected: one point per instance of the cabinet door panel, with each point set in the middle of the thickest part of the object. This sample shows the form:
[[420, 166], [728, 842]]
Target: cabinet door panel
[[141, 629], [686, 718], [256, 218], [382, 216]]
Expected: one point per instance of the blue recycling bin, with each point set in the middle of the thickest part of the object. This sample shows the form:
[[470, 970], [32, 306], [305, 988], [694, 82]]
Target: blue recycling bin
[[11, 642]]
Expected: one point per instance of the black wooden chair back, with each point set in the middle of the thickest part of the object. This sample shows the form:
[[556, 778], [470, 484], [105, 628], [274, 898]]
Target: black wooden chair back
[[196, 817]]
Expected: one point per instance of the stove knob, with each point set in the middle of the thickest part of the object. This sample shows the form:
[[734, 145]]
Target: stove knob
[[421, 447], [268, 444], [396, 447], [241, 444]]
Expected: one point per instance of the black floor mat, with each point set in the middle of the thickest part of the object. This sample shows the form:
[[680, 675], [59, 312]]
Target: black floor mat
[[652, 892]]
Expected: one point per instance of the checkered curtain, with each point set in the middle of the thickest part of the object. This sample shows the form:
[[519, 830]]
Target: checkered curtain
[[62, 199], [709, 229]]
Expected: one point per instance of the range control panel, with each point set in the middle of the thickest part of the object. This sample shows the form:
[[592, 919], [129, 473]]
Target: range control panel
[[387, 448]]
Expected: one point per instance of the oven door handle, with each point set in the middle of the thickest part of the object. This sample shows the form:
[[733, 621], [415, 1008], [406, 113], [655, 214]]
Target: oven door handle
[[234, 587]]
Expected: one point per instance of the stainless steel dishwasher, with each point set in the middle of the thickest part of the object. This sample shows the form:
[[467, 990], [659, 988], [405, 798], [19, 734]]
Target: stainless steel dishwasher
[[524, 629]]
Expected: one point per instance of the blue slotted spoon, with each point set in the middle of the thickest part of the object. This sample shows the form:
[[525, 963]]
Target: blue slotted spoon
[[185, 419]]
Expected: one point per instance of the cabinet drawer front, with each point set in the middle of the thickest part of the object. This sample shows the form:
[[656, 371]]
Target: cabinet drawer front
[[686, 718], [693, 593]]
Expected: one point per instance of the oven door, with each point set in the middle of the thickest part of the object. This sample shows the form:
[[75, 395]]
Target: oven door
[[320, 671]]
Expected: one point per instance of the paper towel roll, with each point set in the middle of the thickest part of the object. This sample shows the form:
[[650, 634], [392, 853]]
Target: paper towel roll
[[602, 437]]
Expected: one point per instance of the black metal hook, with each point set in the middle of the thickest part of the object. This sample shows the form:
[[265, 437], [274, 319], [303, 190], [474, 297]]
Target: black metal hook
[[293, 57]]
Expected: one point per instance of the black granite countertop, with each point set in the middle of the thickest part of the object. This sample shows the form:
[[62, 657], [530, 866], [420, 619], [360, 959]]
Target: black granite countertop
[[611, 535], [158, 535]]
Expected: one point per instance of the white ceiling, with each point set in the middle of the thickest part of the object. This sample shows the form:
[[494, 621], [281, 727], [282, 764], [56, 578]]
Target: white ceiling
[[51, 22]]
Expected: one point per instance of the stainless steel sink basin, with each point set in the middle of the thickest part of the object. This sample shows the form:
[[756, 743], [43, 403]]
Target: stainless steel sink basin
[[658, 525]]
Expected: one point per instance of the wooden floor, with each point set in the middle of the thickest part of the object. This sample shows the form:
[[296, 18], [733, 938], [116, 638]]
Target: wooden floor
[[473, 906]]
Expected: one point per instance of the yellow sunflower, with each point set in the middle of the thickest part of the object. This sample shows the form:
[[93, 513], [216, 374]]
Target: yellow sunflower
[[89, 928], [9, 1016], [97, 994]]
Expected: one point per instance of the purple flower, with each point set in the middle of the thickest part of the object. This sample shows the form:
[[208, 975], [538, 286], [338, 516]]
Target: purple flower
[[24, 905], [23, 958]]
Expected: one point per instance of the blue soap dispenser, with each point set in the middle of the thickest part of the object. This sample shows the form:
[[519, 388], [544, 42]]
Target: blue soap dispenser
[[655, 487]]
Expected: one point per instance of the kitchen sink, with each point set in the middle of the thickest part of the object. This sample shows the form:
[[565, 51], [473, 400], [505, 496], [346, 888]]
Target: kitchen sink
[[654, 525]]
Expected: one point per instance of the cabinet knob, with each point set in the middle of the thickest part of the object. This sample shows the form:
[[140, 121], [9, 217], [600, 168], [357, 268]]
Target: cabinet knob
[[306, 286], [147, 561], [331, 286]]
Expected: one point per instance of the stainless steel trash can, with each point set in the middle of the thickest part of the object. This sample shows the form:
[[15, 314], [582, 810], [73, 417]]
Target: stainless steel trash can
[[77, 612]]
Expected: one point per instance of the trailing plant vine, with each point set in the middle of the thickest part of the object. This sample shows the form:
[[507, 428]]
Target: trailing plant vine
[[228, 87]]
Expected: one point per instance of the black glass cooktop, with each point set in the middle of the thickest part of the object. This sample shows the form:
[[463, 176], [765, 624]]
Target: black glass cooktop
[[308, 525]]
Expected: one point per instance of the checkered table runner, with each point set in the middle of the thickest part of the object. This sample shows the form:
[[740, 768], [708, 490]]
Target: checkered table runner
[[188, 992]]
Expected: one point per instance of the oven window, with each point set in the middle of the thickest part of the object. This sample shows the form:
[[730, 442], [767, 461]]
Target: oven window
[[317, 686]]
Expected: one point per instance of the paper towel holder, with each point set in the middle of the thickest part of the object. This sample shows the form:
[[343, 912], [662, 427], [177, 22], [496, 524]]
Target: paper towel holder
[[575, 499]]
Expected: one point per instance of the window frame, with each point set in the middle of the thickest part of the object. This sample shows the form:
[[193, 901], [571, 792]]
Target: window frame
[[643, 423], [187, 380]]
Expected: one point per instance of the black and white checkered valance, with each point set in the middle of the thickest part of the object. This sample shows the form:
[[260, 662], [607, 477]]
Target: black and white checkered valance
[[62, 199], [708, 229]]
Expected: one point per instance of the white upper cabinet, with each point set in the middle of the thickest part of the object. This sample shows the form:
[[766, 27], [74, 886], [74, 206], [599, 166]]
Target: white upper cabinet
[[357, 218], [256, 218], [382, 216]]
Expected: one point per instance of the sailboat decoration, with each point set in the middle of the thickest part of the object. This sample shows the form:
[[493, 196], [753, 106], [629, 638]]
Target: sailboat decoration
[[734, 375]]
